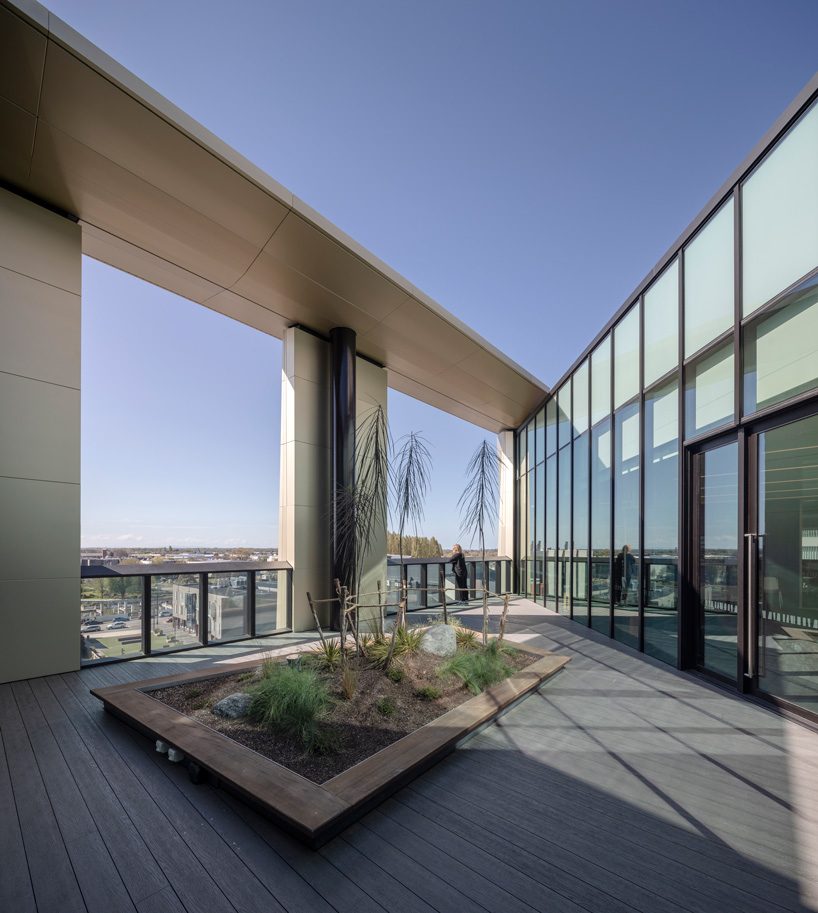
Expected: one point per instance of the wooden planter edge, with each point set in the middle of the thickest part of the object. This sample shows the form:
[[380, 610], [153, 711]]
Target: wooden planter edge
[[316, 812]]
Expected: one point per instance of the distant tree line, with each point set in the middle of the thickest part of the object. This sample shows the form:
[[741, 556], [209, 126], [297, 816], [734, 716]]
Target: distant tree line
[[414, 546]]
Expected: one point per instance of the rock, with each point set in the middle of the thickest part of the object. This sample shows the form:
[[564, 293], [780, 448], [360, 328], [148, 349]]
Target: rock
[[440, 640], [234, 705]]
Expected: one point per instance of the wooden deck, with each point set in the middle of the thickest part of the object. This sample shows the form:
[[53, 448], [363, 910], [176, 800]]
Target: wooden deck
[[621, 786]]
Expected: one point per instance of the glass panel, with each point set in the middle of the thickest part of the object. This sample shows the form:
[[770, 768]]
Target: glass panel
[[532, 519], [271, 602], [709, 392], [661, 549], [580, 529], [601, 381], [626, 357], [551, 530], [538, 538], [662, 325], [531, 461], [564, 532], [781, 350], [414, 594], [524, 516], [433, 585], [522, 452], [601, 526], [709, 281], [581, 399], [788, 565], [564, 409], [626, 525], [780, 216], [392, 596], [718, 558], [227, 614], [174, 611], [110, 617], [551, 426], [540, 435]]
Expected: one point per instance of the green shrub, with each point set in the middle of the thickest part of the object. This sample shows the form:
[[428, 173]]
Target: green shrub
[[409, 640], [328, 654], [292, 701], [395, 674], [479, 669], [428, 693], [386, 706], [466, 638]]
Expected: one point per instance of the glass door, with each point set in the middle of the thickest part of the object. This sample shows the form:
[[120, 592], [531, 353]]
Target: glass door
[[783, 564], [716, 543]]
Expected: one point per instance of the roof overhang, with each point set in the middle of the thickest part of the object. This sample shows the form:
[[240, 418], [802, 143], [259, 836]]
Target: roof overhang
[[162, 198]]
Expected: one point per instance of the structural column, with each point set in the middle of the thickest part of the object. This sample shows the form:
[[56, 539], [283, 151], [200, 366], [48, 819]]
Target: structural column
[[40, 309]]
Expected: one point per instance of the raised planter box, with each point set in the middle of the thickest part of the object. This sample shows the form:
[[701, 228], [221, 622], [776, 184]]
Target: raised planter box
[[315, 812]]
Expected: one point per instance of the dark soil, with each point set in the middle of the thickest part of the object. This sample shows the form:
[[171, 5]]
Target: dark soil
[[357, 727]]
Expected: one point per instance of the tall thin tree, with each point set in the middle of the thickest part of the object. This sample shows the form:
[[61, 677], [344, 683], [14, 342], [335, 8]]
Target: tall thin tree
[[478, 507], [410, 487]]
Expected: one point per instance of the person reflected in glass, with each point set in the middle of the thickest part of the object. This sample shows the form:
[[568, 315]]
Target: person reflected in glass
[[461, 576], [624, 574]]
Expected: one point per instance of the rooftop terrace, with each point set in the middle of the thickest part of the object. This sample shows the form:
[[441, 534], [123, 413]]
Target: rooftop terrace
[[623, 785]]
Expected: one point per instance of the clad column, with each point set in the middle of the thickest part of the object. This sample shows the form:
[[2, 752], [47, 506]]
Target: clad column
[[40, 272]]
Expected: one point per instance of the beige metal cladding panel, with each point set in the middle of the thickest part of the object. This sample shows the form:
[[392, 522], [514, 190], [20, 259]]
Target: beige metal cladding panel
[[311, 419], [17, 127], [39, 529], [39, 243], [40, 437], [39, 619], [108, 120], [22, 53], [40, 335]]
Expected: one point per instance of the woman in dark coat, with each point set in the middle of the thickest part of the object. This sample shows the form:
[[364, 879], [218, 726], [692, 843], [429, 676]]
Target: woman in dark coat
[[461, 575]]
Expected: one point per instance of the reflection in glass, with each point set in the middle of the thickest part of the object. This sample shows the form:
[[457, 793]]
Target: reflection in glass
[[581, 398], [564, 533], [718, 559], [709, 392], [271, 602], [551, 426], [227, 613], [661, 343], [626, 357], [601, 526], [626, 525], [781, 350], [564, 411], [539, 434], [539, 545], [532, 519], [174, 611], [601, 380], [661, 511], [779, 222], [709, 281], [414, 594], [522, 451], [110, 617], [551, 531], [531, 441], [580, 530], [788, 563]]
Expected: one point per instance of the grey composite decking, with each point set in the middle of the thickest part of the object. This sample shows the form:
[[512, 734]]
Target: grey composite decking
[[621, 786]]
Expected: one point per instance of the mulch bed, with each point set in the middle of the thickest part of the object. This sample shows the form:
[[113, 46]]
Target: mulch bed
[[357, 726]]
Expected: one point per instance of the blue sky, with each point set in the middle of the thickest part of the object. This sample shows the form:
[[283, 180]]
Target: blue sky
[[523, 163]]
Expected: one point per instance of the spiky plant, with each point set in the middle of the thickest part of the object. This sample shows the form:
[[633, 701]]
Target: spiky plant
[[361, 508], [478, 507]]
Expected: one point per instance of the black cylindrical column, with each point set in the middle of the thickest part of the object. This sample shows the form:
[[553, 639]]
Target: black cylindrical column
[[342, 444]]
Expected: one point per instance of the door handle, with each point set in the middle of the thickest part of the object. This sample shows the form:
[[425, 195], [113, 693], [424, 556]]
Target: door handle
[[751, 540]]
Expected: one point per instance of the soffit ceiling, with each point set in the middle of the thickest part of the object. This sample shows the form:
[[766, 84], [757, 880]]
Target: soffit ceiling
[[162, 198]]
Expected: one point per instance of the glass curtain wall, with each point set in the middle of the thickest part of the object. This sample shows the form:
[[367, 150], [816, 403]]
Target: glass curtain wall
[[599, 470]]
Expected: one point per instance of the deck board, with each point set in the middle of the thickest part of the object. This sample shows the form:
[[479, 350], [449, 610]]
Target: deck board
[[621, 786]]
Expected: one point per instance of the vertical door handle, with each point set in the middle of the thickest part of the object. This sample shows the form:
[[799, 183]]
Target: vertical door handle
[[752, 603]]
